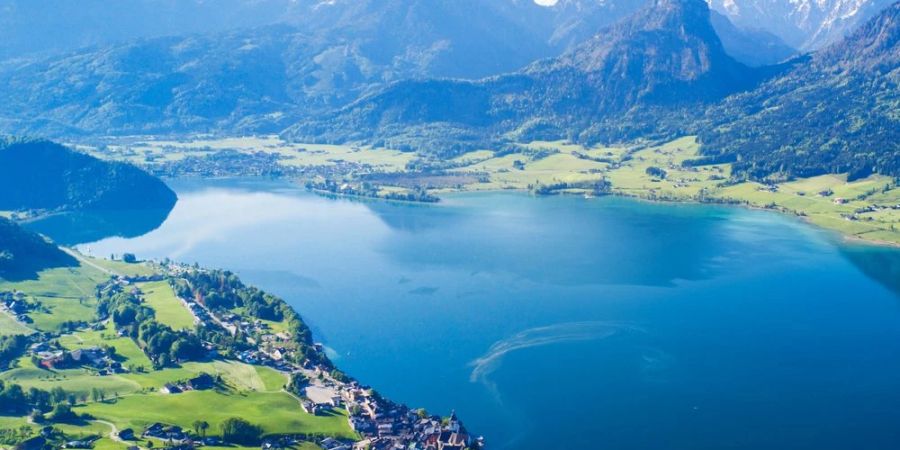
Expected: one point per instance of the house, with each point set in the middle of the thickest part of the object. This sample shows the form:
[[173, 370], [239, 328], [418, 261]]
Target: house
[[18, 307], [39, 347], [52, 360], [170, 388], [127, 434], [155, 430]]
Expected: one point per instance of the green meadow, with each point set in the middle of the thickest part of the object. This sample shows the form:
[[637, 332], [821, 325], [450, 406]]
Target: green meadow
[[276, 412], [169, 309], [65, 294]]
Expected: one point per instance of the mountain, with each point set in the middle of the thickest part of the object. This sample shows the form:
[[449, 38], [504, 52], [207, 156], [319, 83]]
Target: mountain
[[321, 54], [638, 78], [575, 21], [753, 47], [836, 112], [49, 176], [803, 24], [23, 253]]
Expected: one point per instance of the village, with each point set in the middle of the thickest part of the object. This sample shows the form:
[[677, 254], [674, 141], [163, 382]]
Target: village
[[318, 387], [382, 424]]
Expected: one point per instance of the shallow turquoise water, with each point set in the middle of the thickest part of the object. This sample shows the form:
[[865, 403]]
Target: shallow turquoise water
[[562, 323]]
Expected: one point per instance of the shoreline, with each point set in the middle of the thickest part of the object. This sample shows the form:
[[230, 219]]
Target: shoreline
[[850, 238]]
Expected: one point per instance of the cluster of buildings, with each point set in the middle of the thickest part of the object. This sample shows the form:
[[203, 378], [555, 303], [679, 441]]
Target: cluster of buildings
[[175, 437], [15, 305], [201, 382], [383, 424], [386, 425], [93, 357]]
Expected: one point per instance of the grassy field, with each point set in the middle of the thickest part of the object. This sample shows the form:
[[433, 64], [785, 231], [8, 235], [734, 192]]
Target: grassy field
[[77, 381], [275, 412], [151, 152], [130, 354], [66, 294], [10, 326], [169, 309], [236, 375], [626, 170]]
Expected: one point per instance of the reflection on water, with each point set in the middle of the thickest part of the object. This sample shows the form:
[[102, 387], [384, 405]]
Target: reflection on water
[[558, 240], [75, 228], [881, 264]]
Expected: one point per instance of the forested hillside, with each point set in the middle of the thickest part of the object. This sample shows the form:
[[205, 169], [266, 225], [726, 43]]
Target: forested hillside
[[837, 112], [44, 175]]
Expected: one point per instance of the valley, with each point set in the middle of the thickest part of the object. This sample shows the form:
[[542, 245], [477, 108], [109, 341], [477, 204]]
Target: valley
[[579, 224]]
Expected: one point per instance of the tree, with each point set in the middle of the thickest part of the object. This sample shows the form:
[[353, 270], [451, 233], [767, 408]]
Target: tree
[[200, 427], [239, 431], [63, 413]]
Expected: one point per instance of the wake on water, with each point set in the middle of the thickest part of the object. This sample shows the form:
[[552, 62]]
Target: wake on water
[[485, 365]]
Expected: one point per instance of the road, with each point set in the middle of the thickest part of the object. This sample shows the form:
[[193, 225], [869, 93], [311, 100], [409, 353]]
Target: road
[[114, 432], [88, 262]]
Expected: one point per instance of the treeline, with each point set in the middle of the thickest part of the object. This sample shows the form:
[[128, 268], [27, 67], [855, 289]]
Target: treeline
[[163, 345], [56, 403]]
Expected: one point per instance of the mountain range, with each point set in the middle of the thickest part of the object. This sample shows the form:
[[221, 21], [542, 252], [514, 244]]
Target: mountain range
[[453, 75], [285, 61], [665, 59], [802, 24]]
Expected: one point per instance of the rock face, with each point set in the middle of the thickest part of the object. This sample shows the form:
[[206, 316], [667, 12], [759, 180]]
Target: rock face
[[45, 175], [803, 24], [666, 57], [836, 112]]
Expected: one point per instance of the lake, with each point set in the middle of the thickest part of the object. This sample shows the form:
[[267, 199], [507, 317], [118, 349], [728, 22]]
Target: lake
[[563, 322]]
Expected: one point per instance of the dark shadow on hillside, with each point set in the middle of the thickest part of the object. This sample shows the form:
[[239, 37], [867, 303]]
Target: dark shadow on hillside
[[23, 254], [881, 264], [28, 267], [75, 228]]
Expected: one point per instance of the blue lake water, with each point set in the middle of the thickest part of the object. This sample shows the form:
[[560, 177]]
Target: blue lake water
[[563, 323]]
